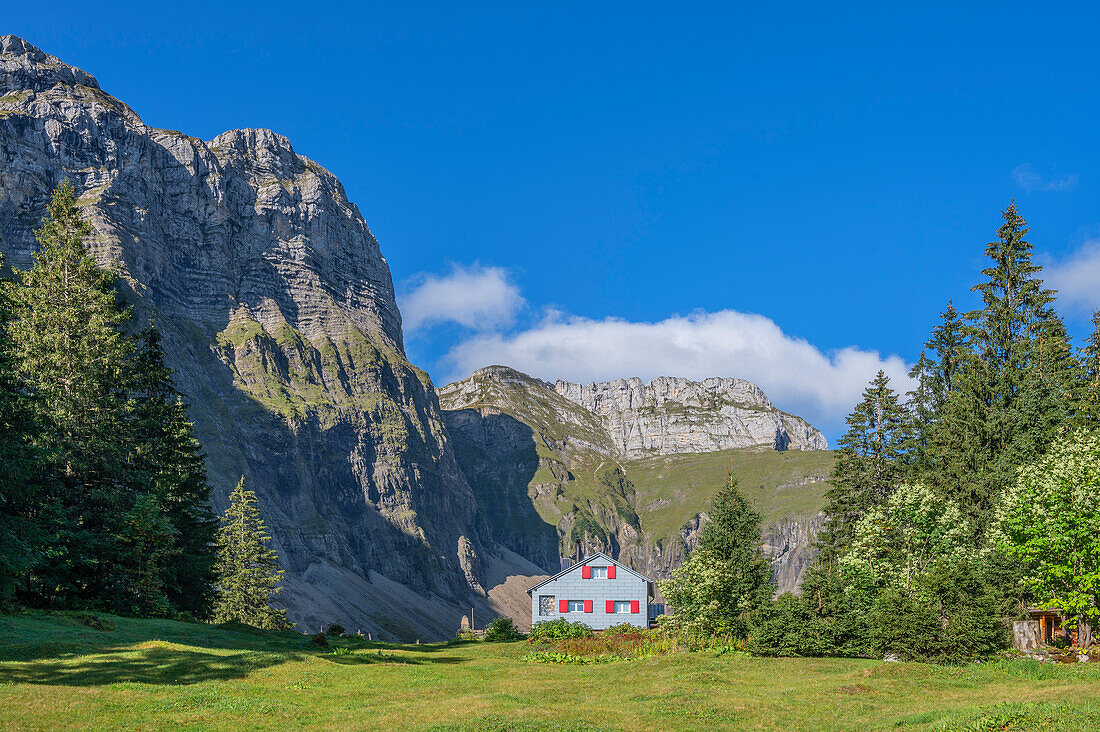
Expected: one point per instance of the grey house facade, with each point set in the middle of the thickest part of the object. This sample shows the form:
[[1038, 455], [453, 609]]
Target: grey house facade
[[597, 591]]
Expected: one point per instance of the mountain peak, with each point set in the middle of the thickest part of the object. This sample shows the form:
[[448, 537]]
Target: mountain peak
[[671, 415], [25, 67]]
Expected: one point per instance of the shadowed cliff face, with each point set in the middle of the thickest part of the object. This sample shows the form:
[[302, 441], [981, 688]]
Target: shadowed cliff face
[[279, 318]]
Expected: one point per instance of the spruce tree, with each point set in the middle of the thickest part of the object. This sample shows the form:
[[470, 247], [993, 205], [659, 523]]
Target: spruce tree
[[114, 512], [148, 541], [1013, 386], [21, 536], [1087, 412], [934, 373], [870, 463], [247, 569], [733, 536], [727, 575], [69, 351], [170, 458]]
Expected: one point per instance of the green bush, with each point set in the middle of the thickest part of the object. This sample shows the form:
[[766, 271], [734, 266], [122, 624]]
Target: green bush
[[318, 640], [786, 627], [954, 616], [903, 626], [502, 629], [822, 621], [550, 630], [335, 629], [623, 629]]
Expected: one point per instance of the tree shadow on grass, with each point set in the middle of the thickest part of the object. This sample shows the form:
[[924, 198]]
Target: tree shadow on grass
[[141, 666], [359, 659], [171, 666], [177, 667], [61, 649]]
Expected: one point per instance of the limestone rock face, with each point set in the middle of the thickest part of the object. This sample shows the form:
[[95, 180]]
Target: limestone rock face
[[278, 315], [672, 415]]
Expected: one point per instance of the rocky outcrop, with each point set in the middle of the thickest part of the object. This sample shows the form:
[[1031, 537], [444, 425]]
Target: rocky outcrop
[[278, 315], [671, 415], [789, 543]]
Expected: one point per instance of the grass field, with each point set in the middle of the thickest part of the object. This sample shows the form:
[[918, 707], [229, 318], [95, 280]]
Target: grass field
[[58, 673]]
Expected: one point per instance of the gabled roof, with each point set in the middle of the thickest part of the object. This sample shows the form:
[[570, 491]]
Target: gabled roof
[[588, 560]]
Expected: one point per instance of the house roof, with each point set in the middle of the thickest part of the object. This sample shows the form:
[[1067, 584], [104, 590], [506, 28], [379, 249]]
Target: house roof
[[588, 560]]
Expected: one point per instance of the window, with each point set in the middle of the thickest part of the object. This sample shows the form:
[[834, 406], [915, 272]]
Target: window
[[576, 606], [622, 606], [546, 605], [599, 573]]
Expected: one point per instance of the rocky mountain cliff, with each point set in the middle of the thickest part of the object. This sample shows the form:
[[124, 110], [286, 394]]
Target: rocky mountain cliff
[[628, 468], [671, 415], [278, 315]]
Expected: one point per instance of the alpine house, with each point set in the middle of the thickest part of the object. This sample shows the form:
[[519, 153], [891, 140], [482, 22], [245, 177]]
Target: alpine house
[[597, 591]]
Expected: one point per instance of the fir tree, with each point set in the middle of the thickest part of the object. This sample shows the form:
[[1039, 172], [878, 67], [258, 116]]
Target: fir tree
[[148, 540], [726, 575], [114, 513], [248, 574], [870, 463], [934, 373]]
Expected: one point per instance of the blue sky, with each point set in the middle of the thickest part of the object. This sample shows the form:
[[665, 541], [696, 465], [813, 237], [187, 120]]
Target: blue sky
[[787, 193]]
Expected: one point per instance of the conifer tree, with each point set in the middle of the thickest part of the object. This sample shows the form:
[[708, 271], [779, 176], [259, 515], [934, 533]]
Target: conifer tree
[[1013, 386], [148, 540], [934, 373], [870, 463], [168, 454], [114, 514], [21, 541], [1087, 413], [247, 569], [70, 352], [733, 535], [726, 575]]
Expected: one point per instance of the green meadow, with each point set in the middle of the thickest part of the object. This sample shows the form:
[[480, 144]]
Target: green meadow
[[57, 672]]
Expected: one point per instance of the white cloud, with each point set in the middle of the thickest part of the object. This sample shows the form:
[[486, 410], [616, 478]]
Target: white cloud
[[1030, 179], [477, 297], [1077, 278], [797, 376]]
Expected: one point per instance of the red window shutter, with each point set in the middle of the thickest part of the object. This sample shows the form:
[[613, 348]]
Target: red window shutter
[[586, 572], [563, 606], [610, 606], [611, 572], [634, 607], [588, 606]]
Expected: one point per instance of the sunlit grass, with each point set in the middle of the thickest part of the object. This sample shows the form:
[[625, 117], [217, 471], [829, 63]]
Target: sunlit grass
[[58, 673]]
